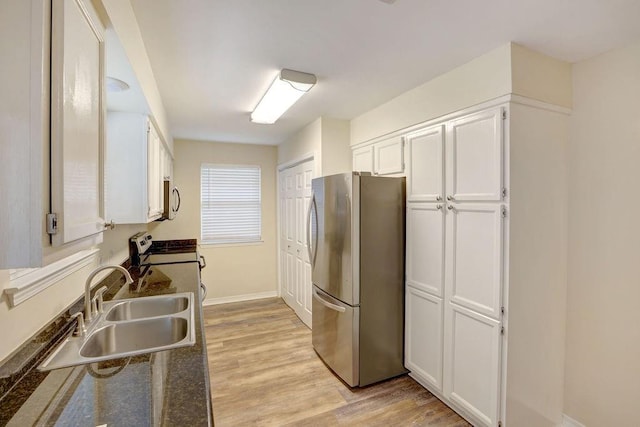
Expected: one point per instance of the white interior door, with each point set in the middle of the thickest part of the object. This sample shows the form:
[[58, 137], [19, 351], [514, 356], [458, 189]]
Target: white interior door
[[295, 268], [474, 157]]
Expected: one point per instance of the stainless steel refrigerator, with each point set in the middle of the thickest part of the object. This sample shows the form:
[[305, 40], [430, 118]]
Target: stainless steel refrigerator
[[356, 232]]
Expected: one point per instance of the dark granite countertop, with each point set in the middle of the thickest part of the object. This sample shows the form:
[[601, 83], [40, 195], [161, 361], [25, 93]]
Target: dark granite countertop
[[169, 388]]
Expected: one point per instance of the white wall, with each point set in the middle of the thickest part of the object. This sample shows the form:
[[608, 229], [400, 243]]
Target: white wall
[[537, 266], [603, 324], [123, 20], [232, 271], [336, 151], [308, 140], [326, 138], [479, 80]]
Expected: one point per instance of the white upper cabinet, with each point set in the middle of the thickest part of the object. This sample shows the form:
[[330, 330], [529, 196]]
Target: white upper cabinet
[[381, 158], [388, 157], [363, 159], [134, 171], [474, 157], [52, 140], [77, 121], [425, 156]]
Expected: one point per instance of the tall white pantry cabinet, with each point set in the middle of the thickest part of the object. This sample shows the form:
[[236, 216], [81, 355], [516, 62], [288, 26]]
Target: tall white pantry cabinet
[[486, 260]]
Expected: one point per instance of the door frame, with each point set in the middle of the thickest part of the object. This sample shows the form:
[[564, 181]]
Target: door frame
[[313, 157]]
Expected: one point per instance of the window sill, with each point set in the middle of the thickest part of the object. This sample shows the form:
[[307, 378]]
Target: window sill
[[30, 284], [230, 244]]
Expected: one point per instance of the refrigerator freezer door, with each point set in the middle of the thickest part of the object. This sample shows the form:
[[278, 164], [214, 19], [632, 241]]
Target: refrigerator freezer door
[[335, 335], [334, 228]]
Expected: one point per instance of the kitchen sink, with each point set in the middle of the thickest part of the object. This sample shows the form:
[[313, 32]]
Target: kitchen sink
[[122, 339], [139, 308], [128, 328]]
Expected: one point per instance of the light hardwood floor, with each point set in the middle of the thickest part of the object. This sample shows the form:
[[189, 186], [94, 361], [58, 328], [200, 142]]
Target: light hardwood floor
[[264, 372]]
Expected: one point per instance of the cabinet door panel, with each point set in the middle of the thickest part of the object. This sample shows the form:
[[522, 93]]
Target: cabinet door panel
[[77, 125], [474, 157], [474, 257], [389, 157], [363, 159], [425, 247], [425, 175], [472, 363], [424, 336]]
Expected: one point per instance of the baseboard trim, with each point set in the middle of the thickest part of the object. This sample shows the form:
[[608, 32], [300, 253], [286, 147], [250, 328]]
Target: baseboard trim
[[567, 421], [239, 298]]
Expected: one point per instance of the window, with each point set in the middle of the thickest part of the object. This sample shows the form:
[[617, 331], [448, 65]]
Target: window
[[230, 204]]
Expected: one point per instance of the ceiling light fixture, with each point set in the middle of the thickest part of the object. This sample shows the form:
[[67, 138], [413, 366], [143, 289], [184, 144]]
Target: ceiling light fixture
[[285, 90]]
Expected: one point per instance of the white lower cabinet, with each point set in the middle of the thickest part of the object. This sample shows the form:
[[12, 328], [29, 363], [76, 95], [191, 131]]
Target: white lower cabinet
[[424, 332], [472, 363]]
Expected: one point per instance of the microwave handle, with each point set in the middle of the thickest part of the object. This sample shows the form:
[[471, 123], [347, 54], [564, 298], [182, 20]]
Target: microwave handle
[[176, 192]]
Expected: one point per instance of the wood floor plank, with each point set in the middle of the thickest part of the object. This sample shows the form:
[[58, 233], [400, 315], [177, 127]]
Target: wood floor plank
[[264, 372]]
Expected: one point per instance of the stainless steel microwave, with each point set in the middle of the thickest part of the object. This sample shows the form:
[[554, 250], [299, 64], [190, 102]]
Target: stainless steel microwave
[[171, 201]]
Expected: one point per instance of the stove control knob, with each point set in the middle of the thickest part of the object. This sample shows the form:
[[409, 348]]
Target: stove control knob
[[149, 237]]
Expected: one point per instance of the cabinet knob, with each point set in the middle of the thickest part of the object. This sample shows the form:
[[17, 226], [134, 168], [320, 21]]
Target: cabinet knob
[[110, 225], [450, 208], [450, 198], [438, 197], [438, 207]]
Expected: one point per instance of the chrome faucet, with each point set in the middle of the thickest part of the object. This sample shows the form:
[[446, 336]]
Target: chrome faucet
[[88, 314]]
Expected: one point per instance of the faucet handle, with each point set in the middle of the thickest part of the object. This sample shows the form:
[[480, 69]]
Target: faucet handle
[[80, 330], [97, 301]]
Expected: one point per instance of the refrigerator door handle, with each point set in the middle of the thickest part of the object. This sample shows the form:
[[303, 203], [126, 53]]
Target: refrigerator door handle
[[309, 237], [327, 303]]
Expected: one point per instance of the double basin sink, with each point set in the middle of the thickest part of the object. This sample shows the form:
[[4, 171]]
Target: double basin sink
[[130, 327]]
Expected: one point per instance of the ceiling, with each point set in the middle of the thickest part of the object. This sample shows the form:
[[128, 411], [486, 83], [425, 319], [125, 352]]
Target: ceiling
[[213, 59]]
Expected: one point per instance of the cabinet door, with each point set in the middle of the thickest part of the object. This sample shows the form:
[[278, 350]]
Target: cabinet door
[[423, 336], [425, 174], [474, 257], [77, 125], [425, 247], [363, 159], [474, 157], [388, 156], [472, 363], [154, 174]]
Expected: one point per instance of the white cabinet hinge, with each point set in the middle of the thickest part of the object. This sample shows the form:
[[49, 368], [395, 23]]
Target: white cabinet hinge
[[504, 115], [502, 310], [504, 212], [499, 423], [52, 223], [501, 330], [504, 192]]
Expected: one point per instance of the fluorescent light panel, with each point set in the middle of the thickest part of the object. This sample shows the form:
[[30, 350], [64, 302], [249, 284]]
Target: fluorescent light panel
[[285, 90]]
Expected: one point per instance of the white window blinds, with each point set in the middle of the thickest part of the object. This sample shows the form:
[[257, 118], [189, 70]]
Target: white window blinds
[[230, 204]]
